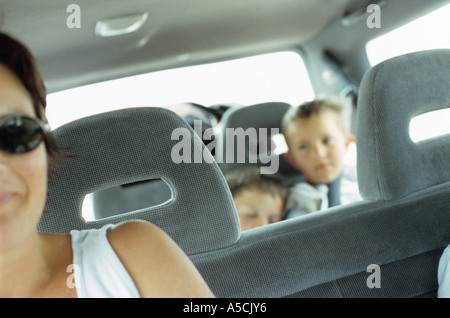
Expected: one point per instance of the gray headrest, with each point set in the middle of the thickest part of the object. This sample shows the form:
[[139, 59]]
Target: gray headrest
[[265, 115], [132, 145], [390, 164]]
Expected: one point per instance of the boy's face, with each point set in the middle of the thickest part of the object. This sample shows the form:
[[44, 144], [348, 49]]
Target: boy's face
[[317, 146], [256, 208]]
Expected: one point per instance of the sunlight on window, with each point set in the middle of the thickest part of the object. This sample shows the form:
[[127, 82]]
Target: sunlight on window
[[278, 76], [430, 125], [428, 32]]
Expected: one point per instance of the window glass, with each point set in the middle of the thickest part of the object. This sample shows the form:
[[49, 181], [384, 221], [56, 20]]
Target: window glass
[[428, 32], [430, 125], [280, 76]]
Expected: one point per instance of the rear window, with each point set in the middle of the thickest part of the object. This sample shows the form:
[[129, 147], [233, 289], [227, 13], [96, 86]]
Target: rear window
[[428, 32], [280, 76]]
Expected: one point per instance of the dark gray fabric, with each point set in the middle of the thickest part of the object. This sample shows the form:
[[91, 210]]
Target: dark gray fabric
[[130, 145], [390, 164], [410, 277], [130, 197], [323, 254], [291, 256]]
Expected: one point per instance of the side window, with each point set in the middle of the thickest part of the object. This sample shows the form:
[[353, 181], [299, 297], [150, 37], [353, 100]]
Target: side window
[[425, 33]]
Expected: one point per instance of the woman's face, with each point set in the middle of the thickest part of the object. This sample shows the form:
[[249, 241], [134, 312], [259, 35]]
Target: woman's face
[[23, 177]]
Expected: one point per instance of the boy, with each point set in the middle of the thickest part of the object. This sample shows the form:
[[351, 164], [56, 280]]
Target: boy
[[259, 198], [317, 140]]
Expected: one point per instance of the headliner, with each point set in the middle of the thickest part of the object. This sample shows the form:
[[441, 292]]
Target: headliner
[[177, 33]]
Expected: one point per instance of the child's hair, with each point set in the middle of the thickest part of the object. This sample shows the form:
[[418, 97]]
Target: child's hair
[[308, 109], [249, 178]]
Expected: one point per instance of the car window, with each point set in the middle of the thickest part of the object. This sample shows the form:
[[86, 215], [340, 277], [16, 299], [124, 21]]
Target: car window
[[430, 125], [280, 76], [427, 32]]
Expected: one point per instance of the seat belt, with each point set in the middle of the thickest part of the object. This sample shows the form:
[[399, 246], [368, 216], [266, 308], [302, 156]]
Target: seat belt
[[334, 193]]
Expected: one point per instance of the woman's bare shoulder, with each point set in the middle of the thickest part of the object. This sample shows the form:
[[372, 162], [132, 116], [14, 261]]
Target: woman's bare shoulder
[[157, 265]]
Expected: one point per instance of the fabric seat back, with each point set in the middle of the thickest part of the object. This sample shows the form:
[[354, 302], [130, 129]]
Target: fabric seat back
[[138, 144]]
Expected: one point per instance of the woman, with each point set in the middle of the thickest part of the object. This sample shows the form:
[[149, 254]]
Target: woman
[[112, 262]]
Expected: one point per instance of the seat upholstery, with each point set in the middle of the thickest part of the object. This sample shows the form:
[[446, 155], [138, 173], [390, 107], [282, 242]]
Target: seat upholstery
[[402, 225], [264, 115], [132, 145], [326, 254]]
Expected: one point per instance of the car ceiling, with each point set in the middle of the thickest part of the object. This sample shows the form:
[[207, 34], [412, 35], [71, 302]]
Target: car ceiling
[[177, 33]]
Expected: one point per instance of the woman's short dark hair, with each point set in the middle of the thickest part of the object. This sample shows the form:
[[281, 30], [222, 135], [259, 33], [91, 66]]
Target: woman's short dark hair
[[17, 58]]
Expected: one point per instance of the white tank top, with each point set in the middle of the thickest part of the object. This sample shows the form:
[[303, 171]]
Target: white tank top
[[444, 274], [97, 269]]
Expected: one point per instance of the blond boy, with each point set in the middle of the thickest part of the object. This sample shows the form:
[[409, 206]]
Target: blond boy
[[317, 140]]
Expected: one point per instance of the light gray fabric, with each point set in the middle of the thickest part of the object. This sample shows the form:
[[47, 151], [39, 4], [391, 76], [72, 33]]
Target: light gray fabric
[[132, 145], [390, 164]]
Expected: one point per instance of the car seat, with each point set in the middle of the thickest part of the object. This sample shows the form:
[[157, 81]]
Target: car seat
[[134, 145], [264, 115]]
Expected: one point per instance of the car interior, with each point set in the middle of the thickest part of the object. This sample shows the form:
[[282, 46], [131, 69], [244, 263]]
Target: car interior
[[124, 158]]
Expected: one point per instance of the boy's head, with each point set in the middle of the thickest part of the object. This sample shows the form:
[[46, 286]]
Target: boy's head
[[317, 140], [259, 198]]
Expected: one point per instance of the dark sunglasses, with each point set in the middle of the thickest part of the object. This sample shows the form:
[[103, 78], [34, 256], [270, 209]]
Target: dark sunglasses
[[20, 134]]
